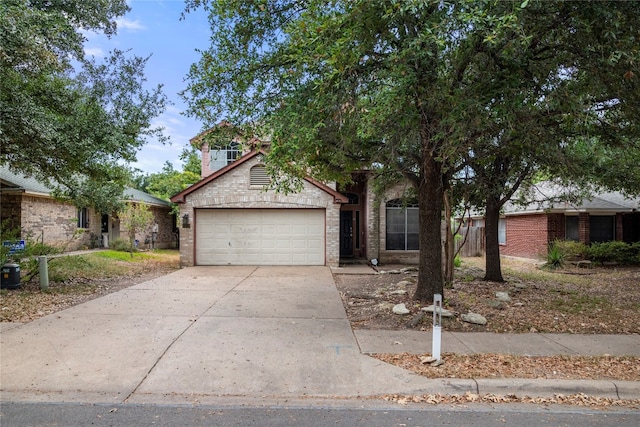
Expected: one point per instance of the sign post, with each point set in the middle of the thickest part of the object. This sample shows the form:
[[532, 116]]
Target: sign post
[[437, 327]]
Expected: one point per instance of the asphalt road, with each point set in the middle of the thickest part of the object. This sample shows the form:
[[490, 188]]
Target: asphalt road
[[75, 414]]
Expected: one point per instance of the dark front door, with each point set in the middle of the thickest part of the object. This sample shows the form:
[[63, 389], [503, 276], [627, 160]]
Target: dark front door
[[346, 234]]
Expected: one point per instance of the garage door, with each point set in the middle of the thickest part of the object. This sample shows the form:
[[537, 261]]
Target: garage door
[[260, 237]]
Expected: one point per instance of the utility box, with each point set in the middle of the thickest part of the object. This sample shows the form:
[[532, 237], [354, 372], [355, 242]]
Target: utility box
[[10, 277]]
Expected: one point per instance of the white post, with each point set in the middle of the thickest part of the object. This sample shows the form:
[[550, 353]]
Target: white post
[[437, 327]]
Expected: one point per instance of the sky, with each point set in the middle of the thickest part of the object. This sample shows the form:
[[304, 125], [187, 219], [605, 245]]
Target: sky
[[153, 27]]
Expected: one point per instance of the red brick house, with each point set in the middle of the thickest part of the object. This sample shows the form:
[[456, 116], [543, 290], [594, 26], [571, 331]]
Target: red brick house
[[527, 231]]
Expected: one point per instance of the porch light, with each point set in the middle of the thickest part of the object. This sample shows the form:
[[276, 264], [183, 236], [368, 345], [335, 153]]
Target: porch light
[[185, 221]]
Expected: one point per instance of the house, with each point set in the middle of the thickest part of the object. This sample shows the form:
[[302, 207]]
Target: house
[[27, 204], [231, 217], [526, 231]]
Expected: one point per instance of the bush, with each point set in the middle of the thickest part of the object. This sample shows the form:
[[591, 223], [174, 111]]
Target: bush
[[571, 249], [555, 255], [121, 245], [614, 251]]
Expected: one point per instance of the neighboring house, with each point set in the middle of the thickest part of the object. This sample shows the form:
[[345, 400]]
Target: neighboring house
[[27, 204], [231, 218], [527, 231]]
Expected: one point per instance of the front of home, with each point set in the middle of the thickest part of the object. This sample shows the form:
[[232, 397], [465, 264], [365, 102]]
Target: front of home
[[27, 204], [232, 217]]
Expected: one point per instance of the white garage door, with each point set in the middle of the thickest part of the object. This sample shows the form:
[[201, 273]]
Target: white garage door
[[260, 237]]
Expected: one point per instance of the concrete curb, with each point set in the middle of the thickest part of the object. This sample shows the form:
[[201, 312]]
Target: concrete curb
[[625, 390]]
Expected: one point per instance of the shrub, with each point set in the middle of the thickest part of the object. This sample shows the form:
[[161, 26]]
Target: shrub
[[457, 261], [571, 249], [121, 245], [555, 256], [614, 251]]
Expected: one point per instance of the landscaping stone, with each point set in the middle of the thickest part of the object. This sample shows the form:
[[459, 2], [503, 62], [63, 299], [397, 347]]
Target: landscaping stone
[[498, 305], [503, 297], [400, 309], [431, 308], [398, 292], [475, 318], [404, 283]]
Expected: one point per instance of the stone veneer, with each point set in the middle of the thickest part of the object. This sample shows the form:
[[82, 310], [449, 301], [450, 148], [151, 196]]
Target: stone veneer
[[233, 190]]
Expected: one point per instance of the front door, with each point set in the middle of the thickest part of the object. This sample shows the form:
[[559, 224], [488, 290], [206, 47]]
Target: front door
[[346, 234]]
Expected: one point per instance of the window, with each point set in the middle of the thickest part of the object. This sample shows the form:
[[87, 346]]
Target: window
[[258, 176], [223, 157], [402, 226], [502, 231], [602, 228], [571, 228], [83, 218]]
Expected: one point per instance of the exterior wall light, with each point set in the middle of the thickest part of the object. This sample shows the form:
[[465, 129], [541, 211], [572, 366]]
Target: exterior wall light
[[185, 221]]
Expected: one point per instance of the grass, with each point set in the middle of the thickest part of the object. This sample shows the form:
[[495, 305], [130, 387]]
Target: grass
[[103, 264]]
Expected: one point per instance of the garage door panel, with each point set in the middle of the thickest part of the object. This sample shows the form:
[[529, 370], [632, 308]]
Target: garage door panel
[[260, 237]]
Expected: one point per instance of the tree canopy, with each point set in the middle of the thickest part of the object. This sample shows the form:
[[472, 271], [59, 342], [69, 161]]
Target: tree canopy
[[416, 90], [64, 118]]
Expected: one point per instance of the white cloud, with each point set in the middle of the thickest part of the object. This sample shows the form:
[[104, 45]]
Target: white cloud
[[94, 51], [129, 25]]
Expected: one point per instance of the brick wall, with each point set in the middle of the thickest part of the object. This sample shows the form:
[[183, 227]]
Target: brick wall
[[50, 221], [526, 236], [555, 227], [233, 190]]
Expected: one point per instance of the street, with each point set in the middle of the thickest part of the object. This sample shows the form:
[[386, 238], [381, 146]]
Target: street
[[347, 414]]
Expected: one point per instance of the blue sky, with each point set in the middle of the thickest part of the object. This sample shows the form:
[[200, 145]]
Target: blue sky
[[153, 27]]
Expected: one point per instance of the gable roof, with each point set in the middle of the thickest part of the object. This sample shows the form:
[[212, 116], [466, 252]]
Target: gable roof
[[13, 182], [548, 197], [180, 197]]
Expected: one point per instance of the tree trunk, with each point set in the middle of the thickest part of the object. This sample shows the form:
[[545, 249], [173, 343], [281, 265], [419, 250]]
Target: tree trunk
[[493, 269], [430, 193], [448, 240]]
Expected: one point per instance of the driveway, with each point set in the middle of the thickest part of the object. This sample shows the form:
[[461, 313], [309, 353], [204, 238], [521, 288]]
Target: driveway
[[198, 335]]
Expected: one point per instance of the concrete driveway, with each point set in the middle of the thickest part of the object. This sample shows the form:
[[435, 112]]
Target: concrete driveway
[[200, 334]]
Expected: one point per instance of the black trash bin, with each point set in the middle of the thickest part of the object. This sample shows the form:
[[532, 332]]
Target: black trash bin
[[10, 278]]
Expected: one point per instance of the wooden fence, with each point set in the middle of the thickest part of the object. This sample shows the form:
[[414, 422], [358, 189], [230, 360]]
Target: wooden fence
[[473, 244]]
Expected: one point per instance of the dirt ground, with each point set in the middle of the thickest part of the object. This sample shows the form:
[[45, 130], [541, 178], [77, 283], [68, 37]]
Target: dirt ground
[[603, 300]]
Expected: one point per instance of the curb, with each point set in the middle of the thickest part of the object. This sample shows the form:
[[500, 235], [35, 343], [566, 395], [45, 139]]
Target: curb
[[616, 390]]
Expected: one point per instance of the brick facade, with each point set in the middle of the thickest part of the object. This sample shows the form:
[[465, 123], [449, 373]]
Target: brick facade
[[527, 235], [232, 189]]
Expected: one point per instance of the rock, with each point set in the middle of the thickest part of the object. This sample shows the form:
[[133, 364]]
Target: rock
[[437, 363], [518, 304], [404, 283], [445, 312], [398, 292], [498, 305], [521, 286], [474, 318], [400, 309], [426, 360], [408, 269], [503, 297]]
